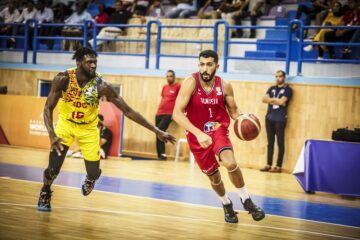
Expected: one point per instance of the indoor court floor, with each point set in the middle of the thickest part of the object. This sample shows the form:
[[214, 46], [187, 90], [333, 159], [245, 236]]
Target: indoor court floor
[[142, 199]]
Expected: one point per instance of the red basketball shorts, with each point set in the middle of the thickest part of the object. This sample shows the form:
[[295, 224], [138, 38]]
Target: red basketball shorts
[[205, 157]]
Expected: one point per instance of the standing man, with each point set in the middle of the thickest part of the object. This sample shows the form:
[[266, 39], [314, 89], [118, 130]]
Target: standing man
[[77, 91], [165, 110], [277, 97], [204, 107]]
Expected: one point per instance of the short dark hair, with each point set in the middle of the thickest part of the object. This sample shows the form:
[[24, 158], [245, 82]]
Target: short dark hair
[[281, 71], [171, 71], [209, 53], [81, 52]]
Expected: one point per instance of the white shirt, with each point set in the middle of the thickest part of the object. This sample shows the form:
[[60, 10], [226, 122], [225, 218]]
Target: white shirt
[[8, 17], [186, 6], [46, 15], [75, 18], [26, 15]]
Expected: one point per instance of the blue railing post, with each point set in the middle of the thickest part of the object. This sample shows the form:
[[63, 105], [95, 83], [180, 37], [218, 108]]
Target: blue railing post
[[216, 33], [148, 41], [158, 45], [85, 32], [35, 41], [300, 49], [26, 34], [94, 34], [226, 47], [289, 45]]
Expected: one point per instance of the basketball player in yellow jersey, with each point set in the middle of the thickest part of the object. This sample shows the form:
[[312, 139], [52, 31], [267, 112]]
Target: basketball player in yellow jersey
[[77, 92]]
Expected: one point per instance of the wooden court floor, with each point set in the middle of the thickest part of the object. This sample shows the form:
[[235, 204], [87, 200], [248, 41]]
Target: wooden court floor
[[109, 215]]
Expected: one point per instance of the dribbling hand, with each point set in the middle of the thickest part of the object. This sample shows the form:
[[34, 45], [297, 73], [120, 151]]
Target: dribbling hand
[[56, 145], [204, 140], [165, 137]]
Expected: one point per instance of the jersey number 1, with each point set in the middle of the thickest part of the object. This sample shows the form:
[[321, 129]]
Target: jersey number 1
[[210, 113]]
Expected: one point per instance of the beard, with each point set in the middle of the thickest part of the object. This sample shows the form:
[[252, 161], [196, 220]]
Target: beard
[[88, 73], [206, 74], [280, 82]]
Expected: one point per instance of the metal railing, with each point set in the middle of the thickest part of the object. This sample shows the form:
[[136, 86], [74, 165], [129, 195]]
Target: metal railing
[[90, 28]]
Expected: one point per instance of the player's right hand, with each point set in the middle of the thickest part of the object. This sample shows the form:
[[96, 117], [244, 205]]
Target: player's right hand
[[56, 145], [204, 140]]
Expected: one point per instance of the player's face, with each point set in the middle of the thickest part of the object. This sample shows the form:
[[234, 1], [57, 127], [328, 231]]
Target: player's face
[[170, 78], [280, 78], [88, 65], [207, 68]]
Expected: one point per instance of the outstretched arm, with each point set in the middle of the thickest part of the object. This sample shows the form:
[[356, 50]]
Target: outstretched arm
[[108, 91], [58, 84], [230, 101], [182, 100]]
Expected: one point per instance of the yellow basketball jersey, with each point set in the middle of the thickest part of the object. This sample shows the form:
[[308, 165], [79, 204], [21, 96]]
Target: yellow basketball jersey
[[80, 105]]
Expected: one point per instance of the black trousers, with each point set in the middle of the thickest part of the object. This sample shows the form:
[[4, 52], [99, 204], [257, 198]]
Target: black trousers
[[275, 128], [253, 20], [162, 122]]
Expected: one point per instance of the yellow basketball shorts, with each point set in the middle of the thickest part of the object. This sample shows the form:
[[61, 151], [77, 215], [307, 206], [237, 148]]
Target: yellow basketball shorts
[[87, 135]]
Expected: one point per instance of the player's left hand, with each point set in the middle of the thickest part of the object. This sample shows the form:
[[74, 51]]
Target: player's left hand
[[165, 137]]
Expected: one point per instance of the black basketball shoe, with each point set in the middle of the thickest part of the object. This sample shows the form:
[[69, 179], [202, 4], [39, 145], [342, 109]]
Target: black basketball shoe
[[87, 186], [256, 212], [230, 214], [44, 201]]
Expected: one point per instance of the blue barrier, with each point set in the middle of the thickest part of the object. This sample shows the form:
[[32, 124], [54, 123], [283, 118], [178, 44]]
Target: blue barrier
[[89, 26]]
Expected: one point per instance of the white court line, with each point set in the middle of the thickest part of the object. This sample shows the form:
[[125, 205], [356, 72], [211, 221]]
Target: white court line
[[185, 203], [181, 218]]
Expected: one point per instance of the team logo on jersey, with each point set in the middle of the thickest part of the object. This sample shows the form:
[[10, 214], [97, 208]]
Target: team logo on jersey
[[218, 91], [211, 127]]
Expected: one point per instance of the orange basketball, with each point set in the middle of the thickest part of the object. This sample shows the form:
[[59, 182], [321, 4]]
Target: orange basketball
[[247, 127]]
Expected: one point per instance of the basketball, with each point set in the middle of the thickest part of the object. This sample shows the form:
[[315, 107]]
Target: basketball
[[247, 127]]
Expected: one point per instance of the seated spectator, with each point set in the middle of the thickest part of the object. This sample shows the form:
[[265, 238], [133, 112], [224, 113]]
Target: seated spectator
[[354, 39], [156, 10], [310, 12], [120, 16], [103, 16], [183, 9], [211, 9], [78, 17], [252, 8], [140, 7], [27, 13], [334, 18], [61, 12], [351, 18], [43, 15], [8, 15]]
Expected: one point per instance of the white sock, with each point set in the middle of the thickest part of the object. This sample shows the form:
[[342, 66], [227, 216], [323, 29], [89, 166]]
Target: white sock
[[225, 200], [243, 193]]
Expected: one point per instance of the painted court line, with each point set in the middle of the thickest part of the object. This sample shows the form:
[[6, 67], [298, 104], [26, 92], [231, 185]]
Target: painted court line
[[181, 218], [183, 203]]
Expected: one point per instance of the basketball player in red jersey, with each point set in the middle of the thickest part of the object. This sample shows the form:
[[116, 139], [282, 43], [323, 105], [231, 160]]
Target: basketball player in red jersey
[[203, 107]]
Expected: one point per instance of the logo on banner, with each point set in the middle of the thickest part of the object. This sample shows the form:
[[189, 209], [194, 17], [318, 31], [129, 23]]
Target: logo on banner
[[37, 126]]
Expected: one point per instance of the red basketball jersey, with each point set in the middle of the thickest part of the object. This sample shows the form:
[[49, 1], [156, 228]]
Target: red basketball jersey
[[207, 110]]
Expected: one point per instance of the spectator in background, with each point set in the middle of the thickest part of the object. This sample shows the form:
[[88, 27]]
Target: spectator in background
[[78, 17], [253, 9], [140, 7], [164, 114], [61, 12], [351, 18], [211, 9], [156, 10], [310, 12], [8, 15], [27, 13], [355, 39], [183, 9], [334, 18], [3, 90], [277, 97], [43, 15], [102, 17], [120, 16]]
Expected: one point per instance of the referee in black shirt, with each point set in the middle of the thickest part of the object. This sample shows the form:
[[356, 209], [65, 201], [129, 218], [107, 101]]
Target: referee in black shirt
[[277, 97]]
